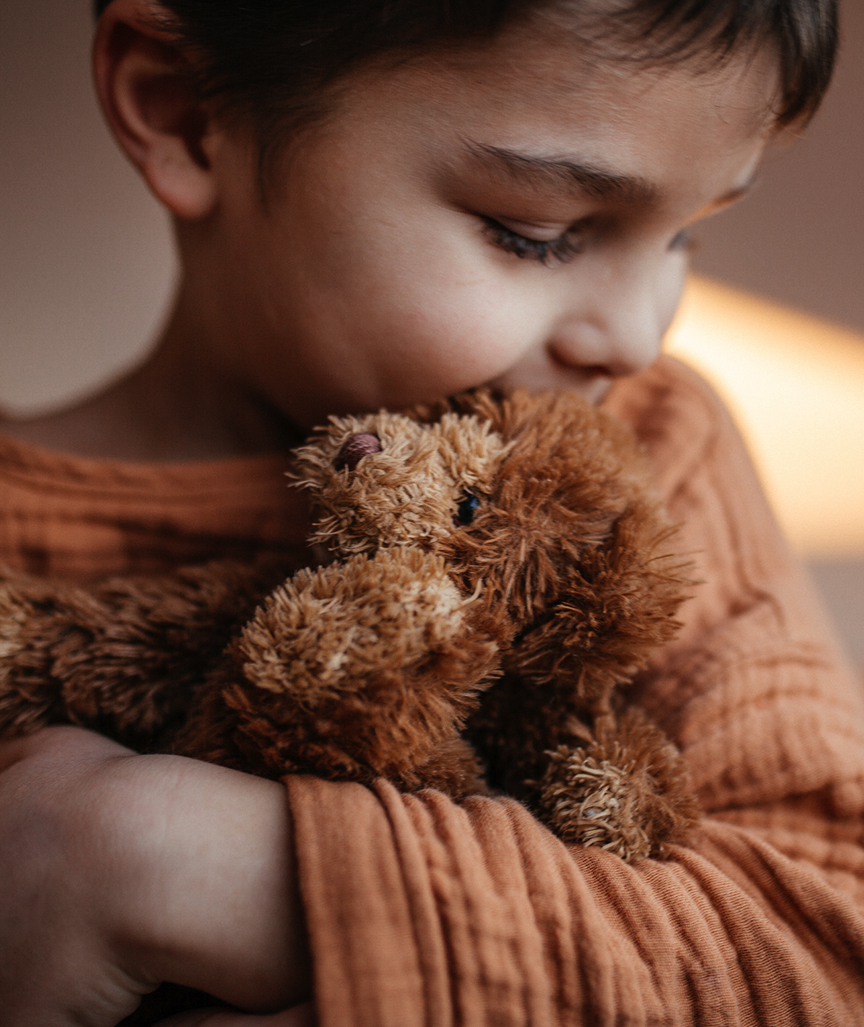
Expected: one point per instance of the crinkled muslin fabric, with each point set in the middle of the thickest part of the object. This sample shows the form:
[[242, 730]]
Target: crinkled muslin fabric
[[423, 913]]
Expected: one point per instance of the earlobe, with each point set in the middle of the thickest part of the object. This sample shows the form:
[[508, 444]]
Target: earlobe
[[148, 94]]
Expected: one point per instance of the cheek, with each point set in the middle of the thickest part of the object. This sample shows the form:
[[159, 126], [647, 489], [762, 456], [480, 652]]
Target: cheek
[[425, 312], [390, 304], [450, 332]]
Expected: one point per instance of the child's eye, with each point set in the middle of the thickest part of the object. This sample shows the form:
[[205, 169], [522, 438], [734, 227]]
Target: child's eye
[[683, 241], [548, 251]]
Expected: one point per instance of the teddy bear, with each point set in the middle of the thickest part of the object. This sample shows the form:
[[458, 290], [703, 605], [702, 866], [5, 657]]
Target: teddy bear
[[487, 575]]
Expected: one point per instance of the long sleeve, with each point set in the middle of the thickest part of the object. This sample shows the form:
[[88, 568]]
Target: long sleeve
[[423, 912]]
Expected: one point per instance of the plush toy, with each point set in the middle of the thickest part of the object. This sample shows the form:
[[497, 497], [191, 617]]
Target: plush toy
[[490, 572]]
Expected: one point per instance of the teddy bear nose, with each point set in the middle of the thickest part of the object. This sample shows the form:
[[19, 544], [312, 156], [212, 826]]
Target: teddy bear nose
[[353, 451]]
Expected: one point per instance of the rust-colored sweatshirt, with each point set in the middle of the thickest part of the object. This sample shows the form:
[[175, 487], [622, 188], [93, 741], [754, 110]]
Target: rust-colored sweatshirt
[[426, 913]]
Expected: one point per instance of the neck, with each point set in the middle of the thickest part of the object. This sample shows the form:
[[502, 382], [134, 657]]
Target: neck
[[180, 404]]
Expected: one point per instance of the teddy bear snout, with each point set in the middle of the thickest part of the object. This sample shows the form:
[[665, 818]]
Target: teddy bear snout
[[353, 451]]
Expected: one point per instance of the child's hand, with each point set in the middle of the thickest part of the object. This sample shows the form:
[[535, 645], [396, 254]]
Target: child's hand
[[118, 871]]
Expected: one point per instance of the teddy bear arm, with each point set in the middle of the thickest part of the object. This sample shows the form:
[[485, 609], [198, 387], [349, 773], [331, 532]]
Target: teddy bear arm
[[356, 670], [628, 790], [30, 697], [618, 606], [122, 656]]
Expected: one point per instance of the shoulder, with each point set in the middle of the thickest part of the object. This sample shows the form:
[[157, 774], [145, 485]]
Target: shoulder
[[677, 417]]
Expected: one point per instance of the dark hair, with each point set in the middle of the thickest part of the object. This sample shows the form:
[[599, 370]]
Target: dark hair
[[274, 58]]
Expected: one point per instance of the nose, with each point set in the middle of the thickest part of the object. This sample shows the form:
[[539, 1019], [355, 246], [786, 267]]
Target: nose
[[613, 329], [353, 451], [607, 321], [594, 350]]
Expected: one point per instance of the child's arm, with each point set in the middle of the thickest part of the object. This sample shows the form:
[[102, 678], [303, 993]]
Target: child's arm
[[118, 871]]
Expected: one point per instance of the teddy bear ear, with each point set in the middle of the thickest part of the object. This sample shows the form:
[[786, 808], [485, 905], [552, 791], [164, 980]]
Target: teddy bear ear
[[353, 451]]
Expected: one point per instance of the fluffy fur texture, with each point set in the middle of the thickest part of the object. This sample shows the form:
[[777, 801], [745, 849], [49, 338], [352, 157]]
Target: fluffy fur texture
[[491, 571]]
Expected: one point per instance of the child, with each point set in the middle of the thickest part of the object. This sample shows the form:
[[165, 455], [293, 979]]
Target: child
[[378, 203]]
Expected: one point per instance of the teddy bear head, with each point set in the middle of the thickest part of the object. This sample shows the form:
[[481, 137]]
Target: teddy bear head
[[387, 480], [542, 507]]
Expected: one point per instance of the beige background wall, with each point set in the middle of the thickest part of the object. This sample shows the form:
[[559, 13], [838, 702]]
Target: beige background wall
[[85, 256]]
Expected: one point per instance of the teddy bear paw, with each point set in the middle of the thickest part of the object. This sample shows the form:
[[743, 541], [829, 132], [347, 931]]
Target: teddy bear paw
[[628, 793], [587, 801]]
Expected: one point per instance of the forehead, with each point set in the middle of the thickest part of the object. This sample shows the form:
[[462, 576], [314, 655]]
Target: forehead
[[549, 56], [569, 86], [540, 90]]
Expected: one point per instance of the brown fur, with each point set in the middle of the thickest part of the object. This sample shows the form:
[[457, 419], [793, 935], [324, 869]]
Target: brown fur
[[432, 647]]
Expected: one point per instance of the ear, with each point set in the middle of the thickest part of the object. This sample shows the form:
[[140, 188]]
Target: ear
[[148, 93]]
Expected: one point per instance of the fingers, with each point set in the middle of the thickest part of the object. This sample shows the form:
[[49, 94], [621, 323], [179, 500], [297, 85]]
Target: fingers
[[297, 1016]]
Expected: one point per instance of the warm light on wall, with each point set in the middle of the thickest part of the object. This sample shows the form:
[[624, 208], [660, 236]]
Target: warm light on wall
[[796, 387]]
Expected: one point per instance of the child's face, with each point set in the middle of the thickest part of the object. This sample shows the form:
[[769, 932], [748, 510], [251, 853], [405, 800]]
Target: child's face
[[385, 267]]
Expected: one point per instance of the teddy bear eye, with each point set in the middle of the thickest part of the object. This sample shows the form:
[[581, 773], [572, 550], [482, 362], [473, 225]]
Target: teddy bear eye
[[467, 508]]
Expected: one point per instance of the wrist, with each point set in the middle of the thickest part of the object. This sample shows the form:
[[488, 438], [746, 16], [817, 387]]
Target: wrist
[[203, 884]]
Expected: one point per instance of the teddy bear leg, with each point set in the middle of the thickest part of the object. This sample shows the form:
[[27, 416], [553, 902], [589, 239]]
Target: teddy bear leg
[[122, 656], [29, 699], [356, 670], [628, 791]]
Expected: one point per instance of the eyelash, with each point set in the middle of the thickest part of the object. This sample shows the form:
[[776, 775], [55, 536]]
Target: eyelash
[[557, 251], [547, 251], [683, 241]]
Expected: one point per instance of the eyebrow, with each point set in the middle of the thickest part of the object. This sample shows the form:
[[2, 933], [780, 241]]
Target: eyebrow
[[533, 170]]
